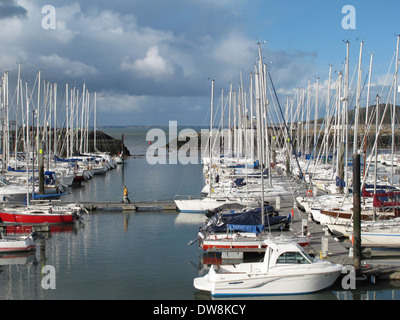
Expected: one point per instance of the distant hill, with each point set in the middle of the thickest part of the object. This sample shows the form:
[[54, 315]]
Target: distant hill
[[371, 111]]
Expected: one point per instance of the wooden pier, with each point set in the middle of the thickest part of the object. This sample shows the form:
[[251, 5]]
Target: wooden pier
[[133, 206], [338, 250]]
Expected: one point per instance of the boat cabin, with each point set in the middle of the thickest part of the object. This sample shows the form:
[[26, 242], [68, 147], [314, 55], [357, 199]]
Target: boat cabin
[[285, 253]]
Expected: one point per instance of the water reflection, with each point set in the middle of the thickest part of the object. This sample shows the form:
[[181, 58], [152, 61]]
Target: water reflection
[[385, 290], [365, 290]]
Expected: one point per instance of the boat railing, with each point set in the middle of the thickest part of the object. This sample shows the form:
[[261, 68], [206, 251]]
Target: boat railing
[[186, 197]]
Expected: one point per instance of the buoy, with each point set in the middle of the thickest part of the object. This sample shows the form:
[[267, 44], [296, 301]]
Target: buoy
[[309, 193]]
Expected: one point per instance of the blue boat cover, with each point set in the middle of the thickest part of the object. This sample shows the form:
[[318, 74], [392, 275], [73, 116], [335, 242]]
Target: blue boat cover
[[249, 221], [64, 160], [246, 228]]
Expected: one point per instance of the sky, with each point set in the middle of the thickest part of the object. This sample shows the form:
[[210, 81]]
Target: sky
[[152, 61]]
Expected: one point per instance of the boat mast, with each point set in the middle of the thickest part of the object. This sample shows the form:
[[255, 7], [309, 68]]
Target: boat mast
[[16, 119], [267, 144], [3, 163], [55, 121], [82, 113], [260, 143], [308, 120], [67, 118], [251, 120], [38, 108], [27, 144], [95, 124], [210, 136], [261, 126], [366, 113], [7, 106], [327, 128], [394, 107], [346, 113], [316, 114], [376, 149], [358, 96]]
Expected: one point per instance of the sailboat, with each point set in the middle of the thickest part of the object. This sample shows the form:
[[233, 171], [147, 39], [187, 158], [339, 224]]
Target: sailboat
[[14, 243], [46, 213], [249, 228], [244, 230]]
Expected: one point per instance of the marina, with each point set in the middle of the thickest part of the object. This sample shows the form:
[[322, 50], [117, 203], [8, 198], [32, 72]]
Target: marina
[[282, 192], [139, 237]]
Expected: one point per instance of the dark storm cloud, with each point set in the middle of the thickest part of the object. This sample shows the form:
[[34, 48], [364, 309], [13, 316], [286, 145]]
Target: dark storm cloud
[[9, 9], [146, 58]]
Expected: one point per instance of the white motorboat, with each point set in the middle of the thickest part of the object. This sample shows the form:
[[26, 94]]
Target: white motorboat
[[286, 269]]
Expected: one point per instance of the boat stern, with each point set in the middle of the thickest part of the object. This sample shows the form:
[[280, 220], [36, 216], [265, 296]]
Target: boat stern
[[203, 283]]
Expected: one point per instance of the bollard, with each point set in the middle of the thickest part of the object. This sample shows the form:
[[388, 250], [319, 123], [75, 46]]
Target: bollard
[[278, 203], [304, 226], [324, 247], [315, 191]]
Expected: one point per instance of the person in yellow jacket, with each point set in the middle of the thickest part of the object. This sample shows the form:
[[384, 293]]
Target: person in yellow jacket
[[125, 198]]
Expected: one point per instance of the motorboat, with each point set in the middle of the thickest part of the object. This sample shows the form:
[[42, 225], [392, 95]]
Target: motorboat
[[286, 269]]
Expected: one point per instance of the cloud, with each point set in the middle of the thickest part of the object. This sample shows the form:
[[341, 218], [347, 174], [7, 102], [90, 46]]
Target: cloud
[[151, 66], [120, 103], [68, 67], [144, 62], [9, 9]]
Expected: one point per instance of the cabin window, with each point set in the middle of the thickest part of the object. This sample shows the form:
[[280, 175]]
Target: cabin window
[[292, 258]]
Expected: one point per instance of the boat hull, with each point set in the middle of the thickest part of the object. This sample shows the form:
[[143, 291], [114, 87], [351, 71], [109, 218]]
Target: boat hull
[[208, 204], [16, 244], [270, 284], [381, 240], [213, 242], [32, 217]]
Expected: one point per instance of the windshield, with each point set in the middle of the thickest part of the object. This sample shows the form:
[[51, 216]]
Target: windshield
[[294, 258]]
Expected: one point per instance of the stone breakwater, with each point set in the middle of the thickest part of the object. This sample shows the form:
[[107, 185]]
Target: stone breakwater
[[104, 143]]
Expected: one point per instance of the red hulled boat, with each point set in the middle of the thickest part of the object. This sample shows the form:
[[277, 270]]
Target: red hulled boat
[[40, 214]]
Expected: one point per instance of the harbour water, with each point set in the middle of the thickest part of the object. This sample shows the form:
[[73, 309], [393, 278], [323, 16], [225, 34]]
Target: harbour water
[[134, 255]]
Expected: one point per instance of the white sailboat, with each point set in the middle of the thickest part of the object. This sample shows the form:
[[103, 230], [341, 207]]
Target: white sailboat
[[14, 243]]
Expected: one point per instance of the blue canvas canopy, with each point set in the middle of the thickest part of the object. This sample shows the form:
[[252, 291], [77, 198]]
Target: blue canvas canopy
[[248, 221], [246, 228]]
